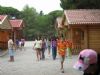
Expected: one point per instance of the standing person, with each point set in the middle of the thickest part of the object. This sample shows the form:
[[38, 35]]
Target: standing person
[[11, 50], [17, 43], [48, 45], [22, 43], [54, 47], [62, 52], [43, 49], [37, 47]]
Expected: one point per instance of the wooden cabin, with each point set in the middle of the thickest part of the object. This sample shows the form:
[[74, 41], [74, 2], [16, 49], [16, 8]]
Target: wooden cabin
[[82, 26], [5, 31], [17, 25]]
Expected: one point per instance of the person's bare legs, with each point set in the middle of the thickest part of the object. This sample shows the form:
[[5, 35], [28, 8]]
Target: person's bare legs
[[40, 54], [62, 65], [49, 52], [37, 55], [62, 62], [11, 59]]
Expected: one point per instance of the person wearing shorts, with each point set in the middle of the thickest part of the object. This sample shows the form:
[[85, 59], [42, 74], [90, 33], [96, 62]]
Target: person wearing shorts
[[10, 49], [37, 46], [62, 52]]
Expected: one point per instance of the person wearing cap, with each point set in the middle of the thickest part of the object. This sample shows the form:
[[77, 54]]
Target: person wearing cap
[[88, 62]]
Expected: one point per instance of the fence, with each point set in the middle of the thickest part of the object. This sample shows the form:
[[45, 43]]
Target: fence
[[76, 49]]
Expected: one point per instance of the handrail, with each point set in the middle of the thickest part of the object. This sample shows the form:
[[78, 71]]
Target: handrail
[[76, 49]]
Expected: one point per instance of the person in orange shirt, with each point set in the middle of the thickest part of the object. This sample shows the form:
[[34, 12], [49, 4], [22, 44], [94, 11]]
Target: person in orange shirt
[[61, 44]]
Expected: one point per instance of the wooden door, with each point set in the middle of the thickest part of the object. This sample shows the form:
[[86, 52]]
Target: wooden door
[[78, 40]]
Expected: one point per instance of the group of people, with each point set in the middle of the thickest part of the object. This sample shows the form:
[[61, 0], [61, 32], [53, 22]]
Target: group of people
[[40, 45], [20, 43], [58, 45]]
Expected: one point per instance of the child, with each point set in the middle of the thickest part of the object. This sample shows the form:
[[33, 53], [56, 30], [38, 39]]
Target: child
[[62, 52]]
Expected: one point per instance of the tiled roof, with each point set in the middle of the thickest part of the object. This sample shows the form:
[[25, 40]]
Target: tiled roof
[[59, 22], [83, 16], [16, 23], [2, 17]]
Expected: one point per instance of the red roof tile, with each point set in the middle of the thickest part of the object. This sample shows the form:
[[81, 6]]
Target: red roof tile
[[2, 17], [16, 23], [83, 16]]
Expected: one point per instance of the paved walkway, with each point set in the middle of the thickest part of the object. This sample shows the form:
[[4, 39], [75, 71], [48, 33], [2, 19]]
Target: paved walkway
[[26, 64], [2, 53]]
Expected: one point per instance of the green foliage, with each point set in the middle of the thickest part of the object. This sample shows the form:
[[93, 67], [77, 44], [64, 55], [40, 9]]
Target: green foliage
[[29, 14], [43, 24], [36, 24], [88, 4], [80, 4], [10, 11], [41, 13], [54, 15], [68, 4]]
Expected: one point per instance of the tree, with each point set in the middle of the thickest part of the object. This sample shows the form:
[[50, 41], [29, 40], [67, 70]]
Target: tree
[[29, 14], [54, 15], [12, 12], [80, 4], [43, 25], [35, 23], [41, 13], [39, 24], [88, 4], [68, 4]]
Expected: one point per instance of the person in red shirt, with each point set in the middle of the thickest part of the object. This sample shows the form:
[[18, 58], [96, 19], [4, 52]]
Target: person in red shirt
[[61, 44]]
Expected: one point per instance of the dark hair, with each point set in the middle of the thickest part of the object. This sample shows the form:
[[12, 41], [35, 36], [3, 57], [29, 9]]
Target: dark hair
[[10, 37], [38, 38], [53, 39]]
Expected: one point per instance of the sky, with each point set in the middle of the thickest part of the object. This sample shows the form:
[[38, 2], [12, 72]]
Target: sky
[[45, 5]]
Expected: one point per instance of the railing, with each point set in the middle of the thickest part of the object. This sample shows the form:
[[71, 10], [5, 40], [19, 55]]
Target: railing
[[76, 49]]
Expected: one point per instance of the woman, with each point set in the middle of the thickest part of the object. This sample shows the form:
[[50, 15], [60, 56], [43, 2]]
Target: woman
[[37, 46]]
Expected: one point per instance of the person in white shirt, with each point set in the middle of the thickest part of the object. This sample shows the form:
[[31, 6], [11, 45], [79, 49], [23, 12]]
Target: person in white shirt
[[37, 46], [10, 48]]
